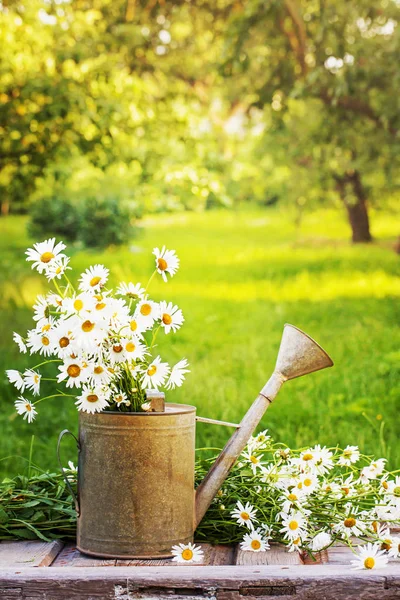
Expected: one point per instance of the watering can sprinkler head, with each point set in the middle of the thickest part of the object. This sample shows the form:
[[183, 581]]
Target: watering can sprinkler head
[[298, 355]]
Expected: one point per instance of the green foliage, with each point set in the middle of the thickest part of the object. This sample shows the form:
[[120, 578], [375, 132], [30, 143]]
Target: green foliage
[[36, 506], [105, 223], [96, 223], [54, 216]]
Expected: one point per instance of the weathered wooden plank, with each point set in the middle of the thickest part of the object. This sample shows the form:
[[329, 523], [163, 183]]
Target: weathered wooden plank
[[318, 558], [277, 555], [29, 553], [71, 557], [262, 582]]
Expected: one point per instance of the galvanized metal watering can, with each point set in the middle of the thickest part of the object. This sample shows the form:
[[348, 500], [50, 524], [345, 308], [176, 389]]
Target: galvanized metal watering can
[[136, 493]]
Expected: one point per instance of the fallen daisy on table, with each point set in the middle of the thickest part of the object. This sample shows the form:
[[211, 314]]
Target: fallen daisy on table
[[370, 557], [187, 553]]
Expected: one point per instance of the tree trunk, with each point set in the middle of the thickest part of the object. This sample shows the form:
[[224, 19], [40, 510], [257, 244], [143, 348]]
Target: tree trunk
[[4, 208], [357, 211]]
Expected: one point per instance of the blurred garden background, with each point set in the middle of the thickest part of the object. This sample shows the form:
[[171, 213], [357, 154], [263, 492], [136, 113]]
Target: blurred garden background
[[260, 139]]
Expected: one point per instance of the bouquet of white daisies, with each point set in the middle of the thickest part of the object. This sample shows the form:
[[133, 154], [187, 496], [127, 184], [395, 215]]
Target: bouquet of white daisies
[[101, 341]]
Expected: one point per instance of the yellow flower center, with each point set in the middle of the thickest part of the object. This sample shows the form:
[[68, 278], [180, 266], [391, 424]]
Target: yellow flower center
[[74, 370], [95, 281], [162, 264], [369, 562], [299, 485], [255, 544], [167, 319], [92, 398], [254, 460], [117, 348], [375, 526], [63, 342], [385, 485], [187, 554], [145, 309], [396, 490], [386, 545], [307, 482], [130, 347], [346, 490], [45, 341], [293, 525], [152, 370], [245, 516], [46, 327], [308, 456], [28, 407], [292, 497], [46, 257], [133, 325], [100, 305], [36, 378], [98, 370], [347, 453], [349, 522], [296, 541], [87, 326], [78, 304]]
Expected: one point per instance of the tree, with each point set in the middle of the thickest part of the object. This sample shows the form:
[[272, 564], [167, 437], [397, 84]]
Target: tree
[[341, 61]]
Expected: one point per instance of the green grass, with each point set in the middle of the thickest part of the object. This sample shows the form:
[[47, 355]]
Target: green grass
[[242, 276]]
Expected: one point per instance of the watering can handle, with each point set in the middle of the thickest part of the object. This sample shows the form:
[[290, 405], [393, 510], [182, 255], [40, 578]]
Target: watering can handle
[[67, 483]]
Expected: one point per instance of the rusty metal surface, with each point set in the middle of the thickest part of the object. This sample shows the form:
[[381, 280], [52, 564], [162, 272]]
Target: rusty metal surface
[[136, 481], [298, 355]]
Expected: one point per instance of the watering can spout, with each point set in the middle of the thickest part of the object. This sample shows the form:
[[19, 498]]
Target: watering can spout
[[298, 355]]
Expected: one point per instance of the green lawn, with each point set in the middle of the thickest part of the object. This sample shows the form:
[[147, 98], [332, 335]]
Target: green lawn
[[243, 275]]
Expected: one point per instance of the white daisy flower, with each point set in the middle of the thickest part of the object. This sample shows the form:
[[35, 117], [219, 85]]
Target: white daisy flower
[[93, 279], [177, 375], [351, 524], [15, 377], [132, 290], [244, 515], [41, 309], [294, 545], [120, 398], [88, 332], [166, 262], [26, 408], [307, 483], [146, 313], [187, 553], [74, 371], [57, 268], [259, 441], [294, 525], [394, 551], [62, 340], [79, 304], [253, 460], [32, 381], [320, 541], [43, 254], [351, 455], [323, 459], [92, 399], [292, 500], [385, 538], [370, 557], [117, 312], [54, 300], [116, 352], [155, 374], [20, 342], [39, 341], [372, 471], [133, 348], [99, 374], [171, 317], [134, 326], [254, 542]]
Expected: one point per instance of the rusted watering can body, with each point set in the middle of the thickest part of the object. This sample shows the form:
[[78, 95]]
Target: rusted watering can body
[[136, 493]]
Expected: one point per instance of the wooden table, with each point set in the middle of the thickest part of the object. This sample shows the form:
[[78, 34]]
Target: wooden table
[[54, 571]]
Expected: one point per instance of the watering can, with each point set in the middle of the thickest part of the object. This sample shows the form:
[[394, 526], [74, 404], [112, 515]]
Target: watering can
[[136, 495]]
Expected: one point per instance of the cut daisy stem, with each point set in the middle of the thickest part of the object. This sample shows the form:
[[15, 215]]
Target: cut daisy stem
[[150, 280], [54, 396]]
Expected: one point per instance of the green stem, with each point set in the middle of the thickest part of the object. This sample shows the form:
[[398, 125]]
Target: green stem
[[54, 396], [46, 362], [150, 280]]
